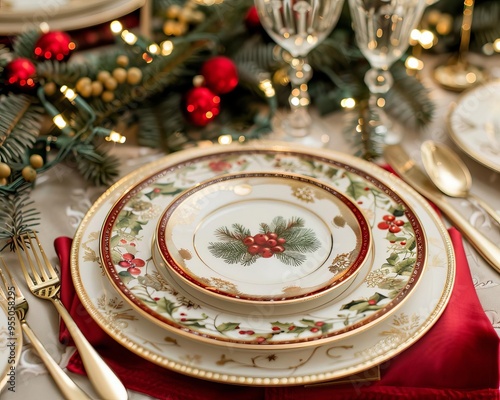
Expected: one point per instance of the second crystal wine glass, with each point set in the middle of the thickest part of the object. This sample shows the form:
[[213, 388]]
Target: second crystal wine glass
[[382, 29], [298, 26]]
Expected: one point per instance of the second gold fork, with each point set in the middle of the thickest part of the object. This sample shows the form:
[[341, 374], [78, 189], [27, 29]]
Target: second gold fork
[[66, 385], [43, 282]]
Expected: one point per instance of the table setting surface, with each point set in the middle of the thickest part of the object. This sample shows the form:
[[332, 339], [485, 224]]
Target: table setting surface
[[440, 345]]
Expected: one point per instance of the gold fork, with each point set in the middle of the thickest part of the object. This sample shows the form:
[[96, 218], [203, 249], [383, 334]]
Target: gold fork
[[44, 282], [12, 293]]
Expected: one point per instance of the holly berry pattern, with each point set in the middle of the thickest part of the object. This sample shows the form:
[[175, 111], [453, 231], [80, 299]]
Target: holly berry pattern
[[288, 241]]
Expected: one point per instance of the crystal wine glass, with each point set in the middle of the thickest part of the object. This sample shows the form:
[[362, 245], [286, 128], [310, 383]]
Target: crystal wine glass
[[298, 26], [382, 29]]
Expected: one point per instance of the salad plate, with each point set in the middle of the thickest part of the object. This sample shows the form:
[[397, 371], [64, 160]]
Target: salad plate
[[474, 123], [261, 237], [399, 255], [266, 365], [11, 343]]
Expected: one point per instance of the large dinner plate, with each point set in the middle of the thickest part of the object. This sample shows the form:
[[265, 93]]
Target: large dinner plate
[[474, 123], [263, 365], [11, 343], [399, 254]]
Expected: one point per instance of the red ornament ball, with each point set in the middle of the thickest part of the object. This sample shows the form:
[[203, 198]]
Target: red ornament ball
[[252, 20], [201, 106], [221, 74], [55, 45], [20, 74]]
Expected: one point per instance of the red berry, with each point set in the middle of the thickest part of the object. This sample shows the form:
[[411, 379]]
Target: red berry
[[277, 249], [402, 243], [134, 271], [271, 242], [383, 225], [372, 302], [281, 240], [123, 241], [399, 222], [128, 256], [314, 329], [266, 252], [389, 217], [272, 235], [253, 249], [394, 229], [250, 332], [248, 241], [261, 238], [137, 262], [183, 319], [261, 339], [276, 328], [242, 332], [124, 264], [319, 323], [291, 327]]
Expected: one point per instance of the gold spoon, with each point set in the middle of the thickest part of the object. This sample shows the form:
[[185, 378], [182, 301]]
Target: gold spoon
[[450, 175]]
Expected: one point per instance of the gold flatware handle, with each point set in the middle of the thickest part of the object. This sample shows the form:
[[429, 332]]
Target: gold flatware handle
[[406, 168], [104, 380], [65, 384]]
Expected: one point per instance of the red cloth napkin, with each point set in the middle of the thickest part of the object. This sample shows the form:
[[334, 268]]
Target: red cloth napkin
[[457, 359]]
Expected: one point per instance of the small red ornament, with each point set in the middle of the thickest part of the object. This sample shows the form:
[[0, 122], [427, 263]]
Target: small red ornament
[[252, 20], [55, 45], [201, 105], [221, 75], [20, 74]]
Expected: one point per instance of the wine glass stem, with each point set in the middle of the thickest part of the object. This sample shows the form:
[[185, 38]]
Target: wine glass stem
[[299, 119]]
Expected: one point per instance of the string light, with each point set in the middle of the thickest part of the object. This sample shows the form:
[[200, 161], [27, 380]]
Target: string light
[[59, 121], [225, 139], [348, 103], [414, 63], [70, 94], [267, 87], [115, 137]]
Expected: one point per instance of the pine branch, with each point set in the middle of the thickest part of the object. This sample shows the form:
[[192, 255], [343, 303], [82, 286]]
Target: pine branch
[[20, 124], [16, 215], [96, 166], [408, 100], [25, 43], [232, 252], [291, 258], [300, 240]]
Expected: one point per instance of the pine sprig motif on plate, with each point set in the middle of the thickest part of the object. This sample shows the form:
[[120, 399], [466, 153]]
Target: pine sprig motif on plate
[[288, 240]]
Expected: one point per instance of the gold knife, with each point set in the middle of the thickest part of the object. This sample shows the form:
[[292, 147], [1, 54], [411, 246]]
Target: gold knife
[[406, 168]]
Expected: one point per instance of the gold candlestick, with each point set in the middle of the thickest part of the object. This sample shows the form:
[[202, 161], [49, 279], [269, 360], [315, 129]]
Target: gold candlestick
[[459, 74]]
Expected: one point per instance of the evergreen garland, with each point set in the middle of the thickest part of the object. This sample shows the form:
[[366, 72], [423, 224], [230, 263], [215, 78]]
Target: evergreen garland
[[154, 104]]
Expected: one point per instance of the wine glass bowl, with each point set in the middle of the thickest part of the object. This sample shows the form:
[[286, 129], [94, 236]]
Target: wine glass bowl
[[382, 29], [298, 26]]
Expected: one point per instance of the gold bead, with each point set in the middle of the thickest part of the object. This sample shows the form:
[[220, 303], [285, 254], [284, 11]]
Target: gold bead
[[107, 96], [50, 88], [110, 83], [96, 88], [122, 60], [5, 170], [28, 173], [3, 181], [36, 161], [102, 76], [120, 74], [83, 86], [134, 76]]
